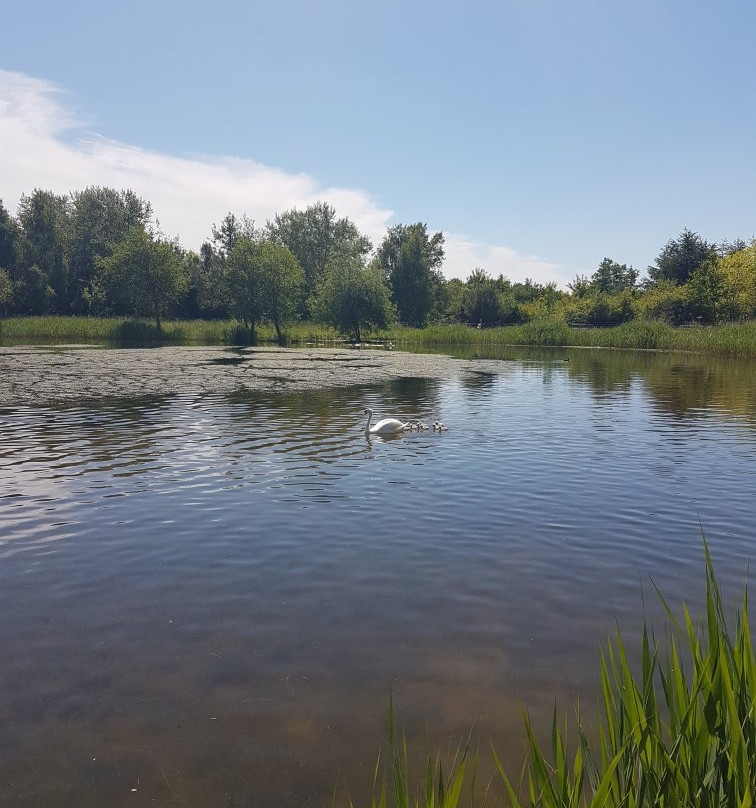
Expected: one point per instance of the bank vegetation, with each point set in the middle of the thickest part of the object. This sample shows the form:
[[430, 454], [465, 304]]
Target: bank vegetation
[[95, 265]]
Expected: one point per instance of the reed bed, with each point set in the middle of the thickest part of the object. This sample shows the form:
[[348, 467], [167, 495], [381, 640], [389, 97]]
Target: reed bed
[[731, 339], [677, 728], [734, 339], [120, 330]]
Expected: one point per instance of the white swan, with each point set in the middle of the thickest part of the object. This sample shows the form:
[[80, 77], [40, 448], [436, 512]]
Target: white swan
[[387, 426]]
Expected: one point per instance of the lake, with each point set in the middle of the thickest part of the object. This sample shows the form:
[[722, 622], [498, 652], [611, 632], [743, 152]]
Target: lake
[[206, 599]]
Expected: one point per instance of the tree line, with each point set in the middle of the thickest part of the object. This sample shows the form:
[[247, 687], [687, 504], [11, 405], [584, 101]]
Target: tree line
[[100, 251]]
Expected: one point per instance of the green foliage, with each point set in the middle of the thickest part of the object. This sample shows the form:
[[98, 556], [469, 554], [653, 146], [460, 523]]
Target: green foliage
[[6, 290], [264, 280], [704, 292], [142, 276], [100, 218], [599, 309], [612, 278], [317, 238], [681, 257], [737, 272], [282, 280], [43, 252], [8, 240], [410, 261], [677, 728], [353, 299], [32, 291], [393, 781], [666, 301]]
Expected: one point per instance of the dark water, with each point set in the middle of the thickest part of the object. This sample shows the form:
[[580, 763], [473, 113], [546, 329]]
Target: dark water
[[205, 601]]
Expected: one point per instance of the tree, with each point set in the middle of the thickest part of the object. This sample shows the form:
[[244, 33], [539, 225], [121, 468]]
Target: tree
[[481, 303], [142, 275], [281, 281], [44, 221], [410, 261], [704, 290], [611, 278], [316, 238], [737, 271], [230, 231], [6, 290], [8, 238], [681, 257], [353, 298], [245, 285], [100, 218]]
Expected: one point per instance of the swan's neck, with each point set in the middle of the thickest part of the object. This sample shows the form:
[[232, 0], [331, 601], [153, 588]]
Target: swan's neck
[[367, 424]]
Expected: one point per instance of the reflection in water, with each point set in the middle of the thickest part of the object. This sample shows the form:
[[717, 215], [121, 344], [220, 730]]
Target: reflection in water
[[208, 599]]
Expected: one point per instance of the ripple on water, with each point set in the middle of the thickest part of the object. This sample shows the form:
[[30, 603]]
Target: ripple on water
[[195, 576]]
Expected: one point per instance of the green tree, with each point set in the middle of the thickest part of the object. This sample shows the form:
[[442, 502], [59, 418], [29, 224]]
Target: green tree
[[231, 229], [704, 290], [6, 291], [245, 283], [611, 277], [100, 219], [737, 272], [316, 237], [282, 279], [8, 239], [143, 275], [410, 261], [681, 257], [665, 301], [481, 303], [353, 298], [581, 286], [44, 221]]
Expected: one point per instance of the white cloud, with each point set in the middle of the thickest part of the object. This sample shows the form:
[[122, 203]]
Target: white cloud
[[45, 143], [464, 255]]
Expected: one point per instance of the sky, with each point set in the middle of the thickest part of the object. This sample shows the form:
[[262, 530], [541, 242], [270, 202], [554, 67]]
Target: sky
[[539, 136]]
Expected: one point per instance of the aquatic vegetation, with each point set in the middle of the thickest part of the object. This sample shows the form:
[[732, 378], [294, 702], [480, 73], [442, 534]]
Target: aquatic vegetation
[[677, 728], [731, 339]]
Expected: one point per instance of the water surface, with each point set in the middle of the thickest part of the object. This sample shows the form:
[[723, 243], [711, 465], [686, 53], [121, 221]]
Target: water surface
[[205, 600]]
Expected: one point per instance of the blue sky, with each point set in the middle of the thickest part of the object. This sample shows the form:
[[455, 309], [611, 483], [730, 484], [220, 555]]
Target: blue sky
[[539, 135]]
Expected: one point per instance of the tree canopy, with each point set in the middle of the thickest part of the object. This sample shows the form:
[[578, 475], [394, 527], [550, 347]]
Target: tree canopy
[[410, 260], [353, 298]]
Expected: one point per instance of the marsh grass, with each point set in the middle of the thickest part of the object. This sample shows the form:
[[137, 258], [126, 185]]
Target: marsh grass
[[732, 339], [135, 331], [677, 728]]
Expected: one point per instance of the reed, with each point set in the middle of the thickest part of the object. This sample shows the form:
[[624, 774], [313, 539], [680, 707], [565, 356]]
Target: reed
[[677, 728], [730, 339], [130, 331]]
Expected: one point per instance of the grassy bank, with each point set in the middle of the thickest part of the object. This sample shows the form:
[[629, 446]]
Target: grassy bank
[[678, 728], [130, 331], [735, 339]]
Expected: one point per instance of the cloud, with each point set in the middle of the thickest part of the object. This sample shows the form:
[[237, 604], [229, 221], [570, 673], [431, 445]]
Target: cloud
[[463, 255], [46, 143]]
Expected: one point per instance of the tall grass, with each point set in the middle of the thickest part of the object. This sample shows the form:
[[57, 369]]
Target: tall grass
[[135, 331], [732, 339], [678, 728]]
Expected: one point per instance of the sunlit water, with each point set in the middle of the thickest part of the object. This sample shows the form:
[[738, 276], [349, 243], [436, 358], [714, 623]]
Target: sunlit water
[[206, 601]]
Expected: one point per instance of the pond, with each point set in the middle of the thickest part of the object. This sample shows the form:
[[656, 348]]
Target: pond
[[206, 599]]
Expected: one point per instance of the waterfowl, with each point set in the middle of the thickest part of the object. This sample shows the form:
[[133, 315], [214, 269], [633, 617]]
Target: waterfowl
[[386, 426]]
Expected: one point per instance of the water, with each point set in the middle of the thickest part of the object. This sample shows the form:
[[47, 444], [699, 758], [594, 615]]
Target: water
[[207, 600]]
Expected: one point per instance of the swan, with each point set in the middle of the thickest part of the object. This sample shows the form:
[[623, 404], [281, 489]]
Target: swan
[[387, 426]]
